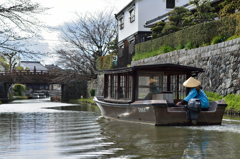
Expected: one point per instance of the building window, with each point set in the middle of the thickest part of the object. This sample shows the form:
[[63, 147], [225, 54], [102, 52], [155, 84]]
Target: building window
[[121, 49], [132, 15], [132, 46], [170, 4], [121, 23]]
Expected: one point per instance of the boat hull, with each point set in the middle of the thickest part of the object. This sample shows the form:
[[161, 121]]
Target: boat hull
[[158, 113]]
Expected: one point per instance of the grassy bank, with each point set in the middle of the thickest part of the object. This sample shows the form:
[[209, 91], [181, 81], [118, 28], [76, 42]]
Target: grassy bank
[[83, 100], [232, 100]]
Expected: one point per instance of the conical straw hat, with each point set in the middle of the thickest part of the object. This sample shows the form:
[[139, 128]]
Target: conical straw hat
[[191, 83], [151, 80]]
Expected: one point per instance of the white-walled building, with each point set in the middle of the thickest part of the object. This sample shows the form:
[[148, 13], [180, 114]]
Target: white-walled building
[[131, 21], [163, 17]]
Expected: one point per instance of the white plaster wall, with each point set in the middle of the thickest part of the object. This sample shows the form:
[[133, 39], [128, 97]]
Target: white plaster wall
[[129, 28], [144, 10]]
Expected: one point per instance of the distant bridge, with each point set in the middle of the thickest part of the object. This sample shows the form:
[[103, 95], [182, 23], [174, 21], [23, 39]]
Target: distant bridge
[[7, 78], [28, 77]]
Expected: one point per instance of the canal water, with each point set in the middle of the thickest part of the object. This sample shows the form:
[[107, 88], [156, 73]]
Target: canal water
[[37, 129]]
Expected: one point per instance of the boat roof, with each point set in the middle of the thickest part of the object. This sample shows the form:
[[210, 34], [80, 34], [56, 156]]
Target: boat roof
[[167, 67]]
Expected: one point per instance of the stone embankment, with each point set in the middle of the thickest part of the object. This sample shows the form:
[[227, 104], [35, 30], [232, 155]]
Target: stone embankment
[[97, 84], [221, 63]]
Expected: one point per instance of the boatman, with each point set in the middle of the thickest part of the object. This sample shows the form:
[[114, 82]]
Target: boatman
[[196, 92]]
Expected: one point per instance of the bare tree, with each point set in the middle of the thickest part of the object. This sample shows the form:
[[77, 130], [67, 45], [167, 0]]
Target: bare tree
[[18, 23], [85, 39]]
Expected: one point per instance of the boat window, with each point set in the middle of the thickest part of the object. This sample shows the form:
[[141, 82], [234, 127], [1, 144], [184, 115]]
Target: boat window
[[125, 87], [119, 86], [176, 85], [149, 84], [182, 89], [114, 86]]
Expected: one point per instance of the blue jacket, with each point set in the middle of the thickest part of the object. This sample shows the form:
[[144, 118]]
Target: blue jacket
[[201, 96]]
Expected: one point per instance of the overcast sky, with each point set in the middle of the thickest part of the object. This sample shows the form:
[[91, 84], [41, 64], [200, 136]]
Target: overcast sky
[[64, 11]]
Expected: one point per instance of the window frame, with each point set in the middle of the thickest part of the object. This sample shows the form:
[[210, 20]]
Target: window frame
[[149, 74], [121, 23], [132, 15], [119, 87]]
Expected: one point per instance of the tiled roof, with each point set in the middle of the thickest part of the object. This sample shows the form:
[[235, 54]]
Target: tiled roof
[[32, 64]]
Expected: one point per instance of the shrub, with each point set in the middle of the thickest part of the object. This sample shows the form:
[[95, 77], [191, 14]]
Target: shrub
[[189, 46], [106, 62], [233, 101], [161, 50], [19, 88], [0, 102], [213, 96], [92, 92], [199, 34], [217, 39], [179, 47], [165, 49]]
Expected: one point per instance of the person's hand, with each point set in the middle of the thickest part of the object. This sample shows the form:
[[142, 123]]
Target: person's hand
[[178, 103]]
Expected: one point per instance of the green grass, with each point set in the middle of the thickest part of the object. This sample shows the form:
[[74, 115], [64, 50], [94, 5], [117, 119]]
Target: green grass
[[213, 96], [217, 39], [188, 46], [163, 49], [233, 37], [88, 100], [179, 47], [232, 100]]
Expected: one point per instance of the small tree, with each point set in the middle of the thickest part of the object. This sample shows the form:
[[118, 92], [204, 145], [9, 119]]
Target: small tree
[[177, 17], [112, 46], [157, 30], [204, 11], [92, 92], [228, 7], [177, 20], [19, 88]]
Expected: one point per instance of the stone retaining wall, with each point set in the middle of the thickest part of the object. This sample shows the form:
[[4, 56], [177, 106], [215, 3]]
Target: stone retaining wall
[[221, 63], [96, 84]]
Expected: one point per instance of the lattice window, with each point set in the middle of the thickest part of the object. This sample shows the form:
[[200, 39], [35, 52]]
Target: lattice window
[[132, 15], [114, 86], [125, 86], [121, 23], [119, 86]]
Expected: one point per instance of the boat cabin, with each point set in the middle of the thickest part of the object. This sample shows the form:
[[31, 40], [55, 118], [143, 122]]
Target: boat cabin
[[147, 82]]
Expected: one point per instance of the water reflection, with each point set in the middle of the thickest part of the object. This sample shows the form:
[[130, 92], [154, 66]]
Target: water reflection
[[60, 130]]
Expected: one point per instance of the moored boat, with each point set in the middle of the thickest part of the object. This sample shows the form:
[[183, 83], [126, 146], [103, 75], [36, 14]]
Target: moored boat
[[149, 93]]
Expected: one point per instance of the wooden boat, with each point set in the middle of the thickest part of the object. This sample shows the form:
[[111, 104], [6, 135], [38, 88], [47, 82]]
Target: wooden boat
[[130, 96]]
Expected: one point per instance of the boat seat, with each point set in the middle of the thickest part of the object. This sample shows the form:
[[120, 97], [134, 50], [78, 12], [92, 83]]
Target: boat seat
[[205, 109]]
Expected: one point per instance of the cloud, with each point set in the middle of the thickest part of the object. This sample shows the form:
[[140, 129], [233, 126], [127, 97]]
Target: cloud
[[64, 11]]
